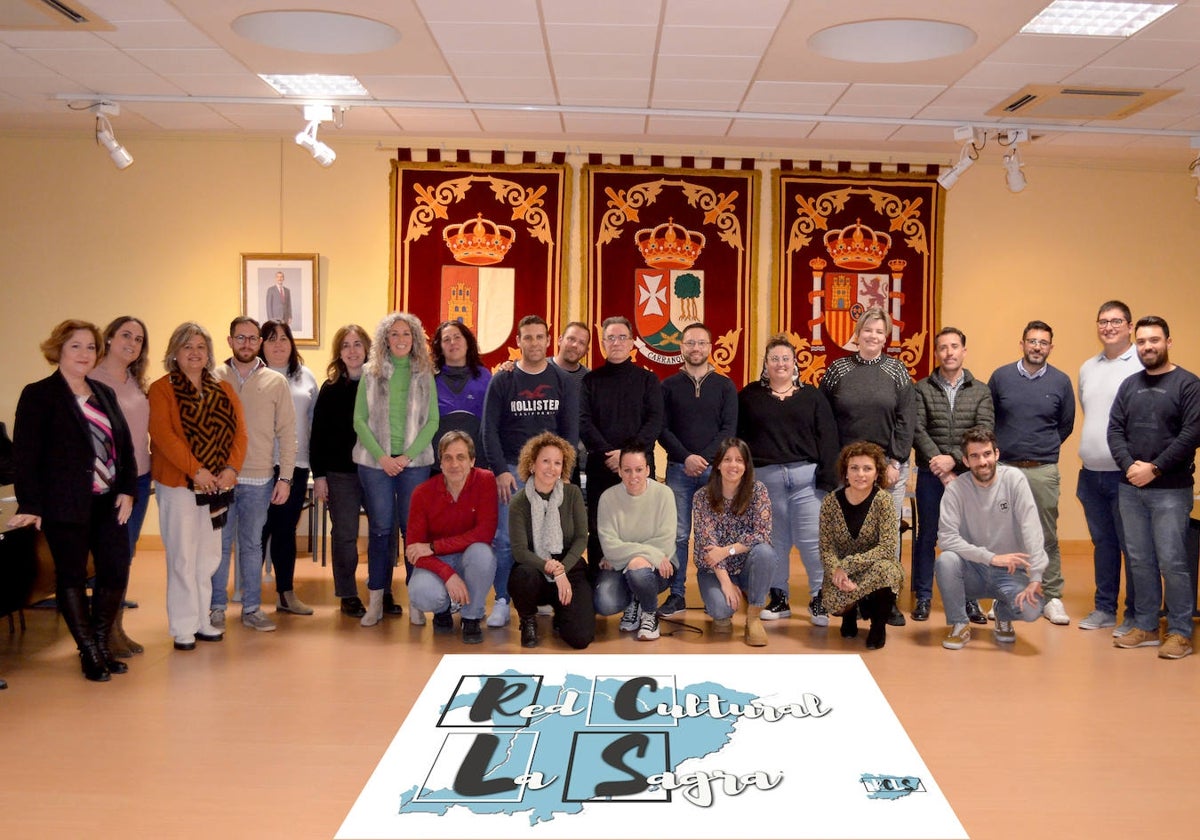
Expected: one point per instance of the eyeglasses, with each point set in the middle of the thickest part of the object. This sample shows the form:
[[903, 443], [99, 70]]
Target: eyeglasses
[[247, 339], [1110, 322], [780, 360], [1037, 342], [691, 345], [617, 339]]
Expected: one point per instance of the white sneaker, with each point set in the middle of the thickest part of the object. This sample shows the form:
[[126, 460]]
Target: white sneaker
[[499, 614], [1055, 612], [631, 618], [648, 627], [415, 616]]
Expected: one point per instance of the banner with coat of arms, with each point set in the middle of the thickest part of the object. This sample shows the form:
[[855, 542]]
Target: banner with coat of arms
[[480, 244], [845, 242], [667, 247]]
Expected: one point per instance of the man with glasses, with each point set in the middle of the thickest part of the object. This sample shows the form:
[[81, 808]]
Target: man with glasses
[[1100, 477], [270, 424], [699, 411], [619, 402], [1035, 414]]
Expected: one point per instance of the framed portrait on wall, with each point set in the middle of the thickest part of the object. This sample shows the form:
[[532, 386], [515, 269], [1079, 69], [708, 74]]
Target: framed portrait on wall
[[283, 287]]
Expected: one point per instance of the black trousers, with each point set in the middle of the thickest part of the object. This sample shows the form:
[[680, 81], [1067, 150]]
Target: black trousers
[[101, 536], [576, 622]]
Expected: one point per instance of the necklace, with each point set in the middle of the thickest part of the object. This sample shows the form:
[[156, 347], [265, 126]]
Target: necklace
[[785, 392]]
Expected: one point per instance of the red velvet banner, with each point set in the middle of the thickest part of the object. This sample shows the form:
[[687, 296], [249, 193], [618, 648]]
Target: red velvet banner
[[666, 247], [478, 243], [845, 242]]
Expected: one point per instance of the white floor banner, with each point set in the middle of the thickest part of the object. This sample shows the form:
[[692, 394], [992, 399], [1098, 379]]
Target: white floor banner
[[602, 746]]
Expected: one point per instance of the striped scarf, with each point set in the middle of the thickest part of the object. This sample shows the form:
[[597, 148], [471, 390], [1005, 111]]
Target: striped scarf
[[104, 452]]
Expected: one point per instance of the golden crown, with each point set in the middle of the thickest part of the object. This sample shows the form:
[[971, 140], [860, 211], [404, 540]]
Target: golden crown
[[478, 242], [669, 245], [857, 247]]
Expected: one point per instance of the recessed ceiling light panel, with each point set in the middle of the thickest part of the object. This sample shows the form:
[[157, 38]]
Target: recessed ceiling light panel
[[1084, 17], [892, 41], [315, 84], [324, 33]]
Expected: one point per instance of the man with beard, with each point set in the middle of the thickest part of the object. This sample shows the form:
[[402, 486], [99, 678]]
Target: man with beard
[[1035, 413], [991, 543], [1153, 432], [572, 348], [699, 411]]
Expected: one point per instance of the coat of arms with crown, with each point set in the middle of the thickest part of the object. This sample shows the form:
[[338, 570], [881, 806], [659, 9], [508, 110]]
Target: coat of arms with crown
[[669, 292]]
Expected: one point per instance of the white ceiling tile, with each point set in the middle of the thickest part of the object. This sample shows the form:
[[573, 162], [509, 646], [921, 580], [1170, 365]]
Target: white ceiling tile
[[15, 63], [705, 68], [722, 95], [37, 40], [619, 39], [1180, 24], [610, 12], [507, 90], [135, 84], [922, 133], [178, 117], [435, 122], [838, 131], [713, 40], [632, 92], [1169, 55], [1052, 49], [87, 62], [603, 67], [1087, 140], [774, 129], [910, 96], [708, 13], [698, 126], [484, 37], [1014, 76], [980, 98], [415, 88], [900, 112], [220, 84], [498, 11], [159, 35], [518, 122], [498, 64], [250, 118], [602, 124], [188, 61], [1124, 77], [119, 11], [765, 95]]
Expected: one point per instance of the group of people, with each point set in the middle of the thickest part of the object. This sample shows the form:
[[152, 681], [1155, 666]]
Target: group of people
[[534, 484]]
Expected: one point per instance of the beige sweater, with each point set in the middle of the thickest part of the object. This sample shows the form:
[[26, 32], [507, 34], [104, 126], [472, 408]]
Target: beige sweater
[[270, 416]]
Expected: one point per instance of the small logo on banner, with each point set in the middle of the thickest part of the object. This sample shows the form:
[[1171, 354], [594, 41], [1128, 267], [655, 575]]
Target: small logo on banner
[[890, 787]]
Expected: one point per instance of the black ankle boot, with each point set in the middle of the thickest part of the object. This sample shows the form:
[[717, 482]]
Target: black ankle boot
[[850, 622], [882, 603], [106, 603], [73, 605], [529, 636]]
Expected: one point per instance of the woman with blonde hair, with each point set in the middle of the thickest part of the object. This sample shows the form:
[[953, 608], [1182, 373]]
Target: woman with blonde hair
[[395, 418]]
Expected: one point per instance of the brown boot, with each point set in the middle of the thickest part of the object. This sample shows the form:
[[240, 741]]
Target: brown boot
[[756, 634], [119, 644]]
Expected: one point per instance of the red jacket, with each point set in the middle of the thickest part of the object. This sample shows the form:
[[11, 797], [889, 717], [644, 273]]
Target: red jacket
[[435, 517]]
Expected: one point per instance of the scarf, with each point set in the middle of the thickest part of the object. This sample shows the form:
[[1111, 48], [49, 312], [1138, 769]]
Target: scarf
[[544, 519], [209, 421]]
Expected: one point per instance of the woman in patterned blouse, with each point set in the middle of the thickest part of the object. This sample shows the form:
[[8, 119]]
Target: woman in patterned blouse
[[731, 522], [858, 544]]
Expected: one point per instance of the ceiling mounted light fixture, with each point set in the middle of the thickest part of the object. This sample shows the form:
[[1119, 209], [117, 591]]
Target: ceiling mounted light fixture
[[1095, 18], [973, 140], [1013, 176], [307, 139], [104, 134], [893, 41]]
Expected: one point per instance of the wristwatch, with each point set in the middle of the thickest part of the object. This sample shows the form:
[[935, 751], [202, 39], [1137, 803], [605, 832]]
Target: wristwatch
[[732, 551], [286, 481]]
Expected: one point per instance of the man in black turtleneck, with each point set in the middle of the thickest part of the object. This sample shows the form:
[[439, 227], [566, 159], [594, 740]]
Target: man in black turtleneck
[[619, 402]]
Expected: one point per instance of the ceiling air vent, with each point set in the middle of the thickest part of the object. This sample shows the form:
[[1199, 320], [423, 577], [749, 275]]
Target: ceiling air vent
[[1062, 102], [49, 15]]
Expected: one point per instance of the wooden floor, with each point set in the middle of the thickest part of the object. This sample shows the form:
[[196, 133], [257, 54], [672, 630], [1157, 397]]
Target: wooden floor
[[273, 734]]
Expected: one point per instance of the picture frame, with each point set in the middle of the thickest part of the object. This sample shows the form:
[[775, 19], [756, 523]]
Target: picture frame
[[299, 302]]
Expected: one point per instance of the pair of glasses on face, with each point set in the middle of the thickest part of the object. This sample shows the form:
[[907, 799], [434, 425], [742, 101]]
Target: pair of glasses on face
[[618, 339], [779, 360], [247, 339]]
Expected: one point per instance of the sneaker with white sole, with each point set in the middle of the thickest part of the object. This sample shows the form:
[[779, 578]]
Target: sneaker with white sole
[[648, 627], [217, 619], [631, 618], [1175, 647], [1136, 638], [1097, 619], [1004, 633], [777, 606], [1055, 612], [1124, 627], [820, 618], [957, 637], [500, 613], [674, 605], [257, 620]]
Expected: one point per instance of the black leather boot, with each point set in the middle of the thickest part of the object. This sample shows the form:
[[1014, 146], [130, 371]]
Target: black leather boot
[[850, 621], [529, 634], [73, 605], [882, 602], [106, 603]]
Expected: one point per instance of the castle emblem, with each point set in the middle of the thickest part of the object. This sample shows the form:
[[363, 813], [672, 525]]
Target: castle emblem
[[477, 292]]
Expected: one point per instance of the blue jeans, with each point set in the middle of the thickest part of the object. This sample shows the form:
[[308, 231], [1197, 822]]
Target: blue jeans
[[929, 510], [1155, 523], [960, 580], [386, 499], [795, 520], [476, 566], [137, 516], [754, 579], [1098, 492], [502, 545], [614, 590], [684, 487], [247, 515]]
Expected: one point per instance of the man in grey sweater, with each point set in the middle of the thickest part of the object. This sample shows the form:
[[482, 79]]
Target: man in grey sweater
[[992, 545]]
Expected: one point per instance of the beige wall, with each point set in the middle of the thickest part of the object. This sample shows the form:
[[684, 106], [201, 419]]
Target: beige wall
[[162, 240]]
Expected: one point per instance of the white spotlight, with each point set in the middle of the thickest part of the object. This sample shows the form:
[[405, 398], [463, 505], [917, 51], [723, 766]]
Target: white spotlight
[[105, 137], [307, 139], [950, 177], [1013, 176]]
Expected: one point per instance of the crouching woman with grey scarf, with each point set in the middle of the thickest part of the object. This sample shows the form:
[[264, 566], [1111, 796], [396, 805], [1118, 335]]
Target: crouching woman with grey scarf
[[548, 526]]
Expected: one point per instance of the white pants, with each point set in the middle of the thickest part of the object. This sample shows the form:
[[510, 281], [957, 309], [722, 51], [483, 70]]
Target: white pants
[[193, 550]]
